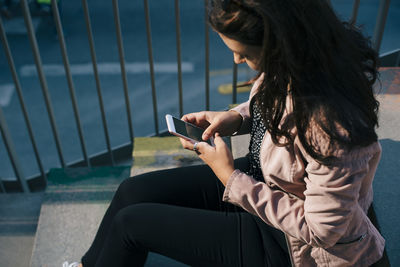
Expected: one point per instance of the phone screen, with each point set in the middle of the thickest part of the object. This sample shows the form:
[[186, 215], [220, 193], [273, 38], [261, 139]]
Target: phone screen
[[188, 130]]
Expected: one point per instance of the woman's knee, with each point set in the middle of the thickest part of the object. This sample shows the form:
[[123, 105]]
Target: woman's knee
[[130, 191], [134, 221]]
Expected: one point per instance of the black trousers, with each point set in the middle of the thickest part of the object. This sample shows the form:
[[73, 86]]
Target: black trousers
[[179, 213]]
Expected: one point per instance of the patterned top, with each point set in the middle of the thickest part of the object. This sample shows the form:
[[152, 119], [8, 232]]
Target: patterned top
[[256, 136]]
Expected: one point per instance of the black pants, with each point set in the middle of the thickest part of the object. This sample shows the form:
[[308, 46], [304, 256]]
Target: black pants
[[179, 213]]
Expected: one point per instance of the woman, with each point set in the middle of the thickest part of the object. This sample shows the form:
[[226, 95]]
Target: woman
[[302, 194]]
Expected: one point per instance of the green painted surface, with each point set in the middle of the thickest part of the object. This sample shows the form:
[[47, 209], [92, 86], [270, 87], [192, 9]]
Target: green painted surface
[[71, 176], [157, 143], [161, 151]]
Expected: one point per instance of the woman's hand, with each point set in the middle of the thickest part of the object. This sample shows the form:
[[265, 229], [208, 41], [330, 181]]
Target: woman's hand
[[219, 158], [223, 122]]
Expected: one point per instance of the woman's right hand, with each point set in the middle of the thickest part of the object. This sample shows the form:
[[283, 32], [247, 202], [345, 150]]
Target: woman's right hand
[[223, 122]]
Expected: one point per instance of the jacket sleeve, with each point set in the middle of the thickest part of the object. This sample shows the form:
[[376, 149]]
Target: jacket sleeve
[[329, 204]]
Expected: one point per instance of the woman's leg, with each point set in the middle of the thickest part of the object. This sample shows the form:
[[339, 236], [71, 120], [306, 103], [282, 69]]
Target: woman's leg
[[193, 236], [194, 186]]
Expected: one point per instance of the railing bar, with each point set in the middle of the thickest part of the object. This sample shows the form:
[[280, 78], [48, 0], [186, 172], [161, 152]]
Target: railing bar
[[42, 79], [71, 86], [234, 83], [329, 3], [3, 189], [21, 97], [151, 63], [380, 24], [207, 59], [354, 15], [178, 53], [117, 21], [397, 64], [97, 79], [12, 154]]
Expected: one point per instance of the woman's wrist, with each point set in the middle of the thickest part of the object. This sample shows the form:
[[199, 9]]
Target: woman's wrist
[[224, 176], [239, 121]]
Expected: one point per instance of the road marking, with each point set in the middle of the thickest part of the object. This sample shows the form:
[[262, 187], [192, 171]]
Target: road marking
[[108, 68], [6, 93], [226, 89]]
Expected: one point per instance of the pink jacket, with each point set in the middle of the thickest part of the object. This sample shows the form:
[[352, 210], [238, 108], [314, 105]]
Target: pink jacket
[[321, 209]]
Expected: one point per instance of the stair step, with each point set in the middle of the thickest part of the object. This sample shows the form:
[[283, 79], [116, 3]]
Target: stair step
[[18, 222]]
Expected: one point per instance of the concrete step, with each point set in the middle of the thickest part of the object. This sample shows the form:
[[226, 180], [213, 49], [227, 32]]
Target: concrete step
[[19, 214]]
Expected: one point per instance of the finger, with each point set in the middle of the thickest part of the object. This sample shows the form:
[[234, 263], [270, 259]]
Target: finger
[[201, 119], [198, 118], [186, 144], [203, 148], [188, 117], [210, 131], [219, 142]]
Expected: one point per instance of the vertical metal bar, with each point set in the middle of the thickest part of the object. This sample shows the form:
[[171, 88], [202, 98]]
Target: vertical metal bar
[[354, 14], [2, 188], [234, 83], [380, 24], [117, 21], [397, 64], [11, 152], [207, 57], [21, 97], [71, 86], [151, 63], [178, 53], [96, 75], [43, 82]]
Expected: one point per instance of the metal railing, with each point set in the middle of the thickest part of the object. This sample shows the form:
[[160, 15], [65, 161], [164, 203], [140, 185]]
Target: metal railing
[[112, 153]]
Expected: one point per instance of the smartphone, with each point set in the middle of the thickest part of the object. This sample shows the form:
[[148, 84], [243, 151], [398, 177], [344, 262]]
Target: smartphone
[[186, 130]]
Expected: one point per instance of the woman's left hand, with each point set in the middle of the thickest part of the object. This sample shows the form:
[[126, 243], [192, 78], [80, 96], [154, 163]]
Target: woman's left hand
[[219, 158]]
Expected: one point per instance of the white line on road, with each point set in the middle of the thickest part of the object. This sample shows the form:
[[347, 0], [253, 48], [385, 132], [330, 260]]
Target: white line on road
[[110, 68], [6, 92]]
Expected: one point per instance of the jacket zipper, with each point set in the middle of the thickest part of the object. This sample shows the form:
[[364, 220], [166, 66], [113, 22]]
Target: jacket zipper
[[289, 250]]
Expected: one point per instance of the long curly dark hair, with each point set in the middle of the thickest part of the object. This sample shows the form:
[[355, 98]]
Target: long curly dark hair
[[329, 65]]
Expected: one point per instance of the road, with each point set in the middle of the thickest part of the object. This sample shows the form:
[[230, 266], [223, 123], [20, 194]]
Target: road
[[135, 43]]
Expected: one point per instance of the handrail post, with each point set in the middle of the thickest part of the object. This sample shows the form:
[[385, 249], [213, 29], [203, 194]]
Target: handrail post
[[12, 154], [234, 83], [18, 88], [122, 65], [42, 78], [71, 86], [354, 14], [380, 24], [207, 56], [151, 64], [97, 79], [178, 55]]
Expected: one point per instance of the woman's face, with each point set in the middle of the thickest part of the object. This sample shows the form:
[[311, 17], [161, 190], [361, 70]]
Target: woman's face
[[250, 54]]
